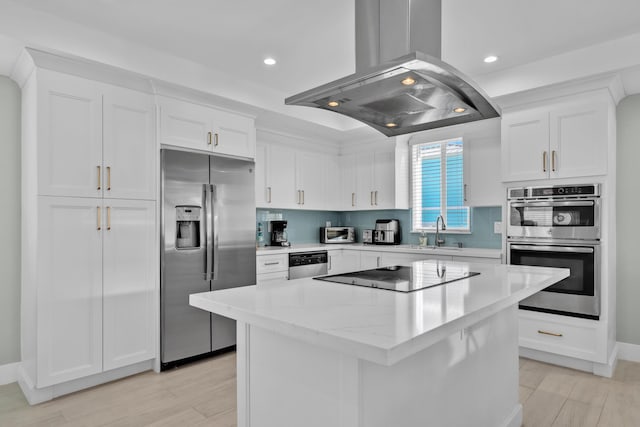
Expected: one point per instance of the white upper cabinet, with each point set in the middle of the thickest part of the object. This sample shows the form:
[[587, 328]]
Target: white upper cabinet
[[94, 140], [565, 138], [311, 180], [275, 176], [198, 127], [482, 183], [129, 147], [368, 181], [69, 134]]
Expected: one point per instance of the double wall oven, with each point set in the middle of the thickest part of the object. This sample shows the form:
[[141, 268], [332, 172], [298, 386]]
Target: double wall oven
[[558, 226]]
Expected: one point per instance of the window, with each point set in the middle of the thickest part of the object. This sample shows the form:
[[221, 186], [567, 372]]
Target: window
[[438, 186]]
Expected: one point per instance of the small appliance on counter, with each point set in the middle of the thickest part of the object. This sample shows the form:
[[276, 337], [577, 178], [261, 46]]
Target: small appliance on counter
[[367, 236], [337, 235], [278, 233], [387, 232]]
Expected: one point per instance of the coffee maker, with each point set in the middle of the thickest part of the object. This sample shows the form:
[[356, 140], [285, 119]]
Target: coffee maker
[[387, 232], [278, 233]]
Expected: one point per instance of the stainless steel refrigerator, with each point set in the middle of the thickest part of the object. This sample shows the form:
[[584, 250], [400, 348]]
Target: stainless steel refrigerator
[[207, 243]]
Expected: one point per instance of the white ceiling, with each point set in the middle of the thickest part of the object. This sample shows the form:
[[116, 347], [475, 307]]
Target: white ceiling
[[313, 40]]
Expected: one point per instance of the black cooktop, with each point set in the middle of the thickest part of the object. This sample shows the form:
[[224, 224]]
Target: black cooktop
[[419, 275]]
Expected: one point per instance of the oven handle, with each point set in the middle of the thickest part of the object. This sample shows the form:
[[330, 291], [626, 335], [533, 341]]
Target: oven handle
[[553, 203], [572, 249]]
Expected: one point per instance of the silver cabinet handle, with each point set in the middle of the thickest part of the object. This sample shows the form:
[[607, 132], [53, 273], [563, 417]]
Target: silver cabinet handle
[[329, 266], [215, 139], [98, 218], [371, 198], [353, 199], [272, 263], [269, 194], [553, 334], [553, 160], [375, 197], [377, 261], [298, 202], [108, 218], [544, 161], [303, 197], [209, 135], [99, 177], [108, 178], [464, 192]]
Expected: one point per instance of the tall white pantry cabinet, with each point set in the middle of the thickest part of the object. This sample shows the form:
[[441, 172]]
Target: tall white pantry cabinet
[[89, 245]]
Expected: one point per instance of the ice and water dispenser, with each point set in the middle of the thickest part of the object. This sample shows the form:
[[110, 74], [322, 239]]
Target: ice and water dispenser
[[188, 224]]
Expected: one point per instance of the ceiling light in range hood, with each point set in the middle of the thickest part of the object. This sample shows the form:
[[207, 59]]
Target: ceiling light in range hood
[[408, 94]]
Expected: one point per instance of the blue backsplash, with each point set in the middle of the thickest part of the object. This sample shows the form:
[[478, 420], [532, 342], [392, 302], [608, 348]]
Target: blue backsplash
[[303, 226]]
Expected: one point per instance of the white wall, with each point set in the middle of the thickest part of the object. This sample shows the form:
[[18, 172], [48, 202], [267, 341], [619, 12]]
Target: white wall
[[627, 215], [9, 221]]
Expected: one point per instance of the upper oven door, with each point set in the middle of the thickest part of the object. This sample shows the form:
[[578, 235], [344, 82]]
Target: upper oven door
[[568, 219]]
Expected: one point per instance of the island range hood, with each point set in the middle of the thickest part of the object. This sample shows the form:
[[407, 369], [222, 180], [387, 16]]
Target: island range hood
[[401, 86]]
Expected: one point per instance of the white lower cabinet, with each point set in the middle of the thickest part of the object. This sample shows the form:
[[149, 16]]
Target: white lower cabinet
[[95, 286], [273, 267], [128, 288], [343, 261], [562, 335]]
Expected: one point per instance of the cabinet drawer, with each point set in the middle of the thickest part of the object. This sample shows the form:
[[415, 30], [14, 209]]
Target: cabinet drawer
[[272, 263], [558, 338], [276, 276]]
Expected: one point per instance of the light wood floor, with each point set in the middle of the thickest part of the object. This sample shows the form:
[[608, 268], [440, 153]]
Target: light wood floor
[[203, 394]]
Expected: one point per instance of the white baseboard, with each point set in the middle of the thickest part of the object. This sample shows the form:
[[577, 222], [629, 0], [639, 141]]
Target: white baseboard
[[9, 373], [630, 352]]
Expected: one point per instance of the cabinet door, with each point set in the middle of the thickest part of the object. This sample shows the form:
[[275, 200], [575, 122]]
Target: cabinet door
[[234, 135], [69, 316], [333, 193], [311, 177], [364, 181], [348, 189], [281, 174], [129, 145], [578, 140], [69, 136], [482, 182], [263, 198], [184, 124], [129, 291], [384, 195], [369, 260], [525, 146]]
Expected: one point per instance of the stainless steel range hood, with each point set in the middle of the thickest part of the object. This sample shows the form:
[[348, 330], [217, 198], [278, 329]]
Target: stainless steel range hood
[[401, 85]]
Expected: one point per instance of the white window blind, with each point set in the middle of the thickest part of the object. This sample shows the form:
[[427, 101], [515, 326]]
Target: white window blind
[[437, 179]]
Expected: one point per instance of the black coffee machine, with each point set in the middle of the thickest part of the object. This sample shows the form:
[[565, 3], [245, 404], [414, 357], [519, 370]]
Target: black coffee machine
[[278, 233]]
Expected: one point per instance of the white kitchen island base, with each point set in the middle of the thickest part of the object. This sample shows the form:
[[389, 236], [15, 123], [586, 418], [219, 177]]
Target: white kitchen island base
[[467, 379]]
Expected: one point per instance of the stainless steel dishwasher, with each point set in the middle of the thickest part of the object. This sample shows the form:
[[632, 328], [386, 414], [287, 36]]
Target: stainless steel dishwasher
[[307, 264]]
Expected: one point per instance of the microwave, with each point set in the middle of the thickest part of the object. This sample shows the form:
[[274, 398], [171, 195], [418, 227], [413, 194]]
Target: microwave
[[337, 234]]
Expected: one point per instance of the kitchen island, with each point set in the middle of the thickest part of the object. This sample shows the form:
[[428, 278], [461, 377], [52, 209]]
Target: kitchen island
[[315, 353]]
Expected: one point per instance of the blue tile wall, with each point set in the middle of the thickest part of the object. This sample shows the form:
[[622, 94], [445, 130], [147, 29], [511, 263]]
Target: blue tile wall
[[303, 226]]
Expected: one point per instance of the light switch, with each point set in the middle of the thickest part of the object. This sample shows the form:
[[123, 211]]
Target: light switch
[[497, 227]]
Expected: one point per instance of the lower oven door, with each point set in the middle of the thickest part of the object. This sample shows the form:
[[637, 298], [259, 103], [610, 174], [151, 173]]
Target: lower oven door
[[579, 294]]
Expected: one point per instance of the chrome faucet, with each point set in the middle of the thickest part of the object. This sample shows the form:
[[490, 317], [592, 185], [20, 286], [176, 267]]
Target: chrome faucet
[[440, 241]]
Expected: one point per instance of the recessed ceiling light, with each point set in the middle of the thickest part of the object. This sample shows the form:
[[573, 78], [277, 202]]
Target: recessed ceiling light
[[491, 58], [408, 81], [333, 103], [459, 110], [270, 61], [391, 125]]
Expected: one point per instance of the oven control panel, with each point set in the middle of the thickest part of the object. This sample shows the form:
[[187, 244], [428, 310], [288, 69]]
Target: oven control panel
[[590, 190]]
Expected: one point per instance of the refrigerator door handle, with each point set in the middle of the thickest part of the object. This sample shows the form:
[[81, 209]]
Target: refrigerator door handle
[[208, 227], [214, 214]]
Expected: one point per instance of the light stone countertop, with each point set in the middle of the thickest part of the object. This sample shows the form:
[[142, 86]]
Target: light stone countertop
[[413, 249], [378, 325]]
